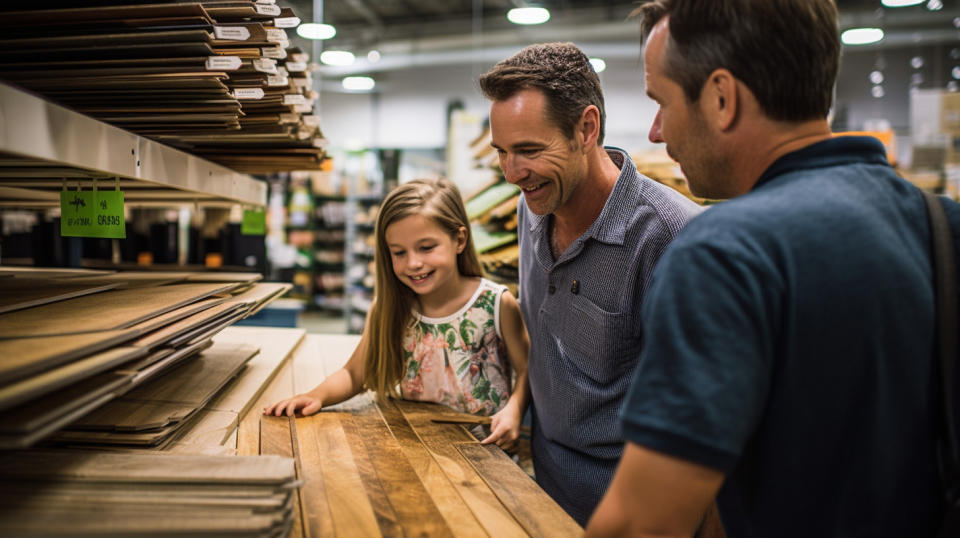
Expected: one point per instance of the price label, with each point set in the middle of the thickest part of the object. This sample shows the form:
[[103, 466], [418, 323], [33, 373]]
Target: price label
[[254, 222], [92, 214]]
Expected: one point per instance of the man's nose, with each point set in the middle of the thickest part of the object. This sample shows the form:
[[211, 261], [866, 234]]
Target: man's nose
[[656, 135], [513, 170]]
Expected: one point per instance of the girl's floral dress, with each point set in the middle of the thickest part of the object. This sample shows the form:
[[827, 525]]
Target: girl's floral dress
[[460, 360]]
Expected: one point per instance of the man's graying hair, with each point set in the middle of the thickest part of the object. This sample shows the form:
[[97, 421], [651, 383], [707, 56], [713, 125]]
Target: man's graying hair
[[786, 51], [561, 71]]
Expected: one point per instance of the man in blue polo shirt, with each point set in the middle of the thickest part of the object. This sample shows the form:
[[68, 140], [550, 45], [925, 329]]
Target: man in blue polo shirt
[[591, 230], [788, 335]]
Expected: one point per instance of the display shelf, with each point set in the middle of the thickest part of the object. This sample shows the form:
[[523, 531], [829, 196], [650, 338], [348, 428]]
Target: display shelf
[[44, 146]]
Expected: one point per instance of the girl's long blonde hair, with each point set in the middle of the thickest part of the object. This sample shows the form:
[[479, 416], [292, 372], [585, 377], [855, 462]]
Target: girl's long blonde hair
[[393, 303]]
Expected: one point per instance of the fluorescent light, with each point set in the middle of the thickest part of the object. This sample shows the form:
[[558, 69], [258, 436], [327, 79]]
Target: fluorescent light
[[313, 30], [373, 56], [358, 83], [337, 57], [861, 36], [901, 3], [528, 15], [598, 64], [935, 5]]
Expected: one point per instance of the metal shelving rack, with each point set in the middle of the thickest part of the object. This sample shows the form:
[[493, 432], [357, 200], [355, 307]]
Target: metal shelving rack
[[44, 146]]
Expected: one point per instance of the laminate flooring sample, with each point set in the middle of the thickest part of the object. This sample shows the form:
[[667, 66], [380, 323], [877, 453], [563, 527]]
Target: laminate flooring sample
[[26, 356], [21, 293], [115, 309]]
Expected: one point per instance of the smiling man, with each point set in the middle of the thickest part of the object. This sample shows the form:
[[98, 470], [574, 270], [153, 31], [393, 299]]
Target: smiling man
[[591, 230]]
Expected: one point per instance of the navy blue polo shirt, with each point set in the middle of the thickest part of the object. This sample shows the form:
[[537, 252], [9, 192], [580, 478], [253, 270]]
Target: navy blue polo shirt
[[788, 343]]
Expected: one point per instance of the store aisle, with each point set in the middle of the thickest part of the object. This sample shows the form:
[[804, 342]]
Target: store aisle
[[323, 322]]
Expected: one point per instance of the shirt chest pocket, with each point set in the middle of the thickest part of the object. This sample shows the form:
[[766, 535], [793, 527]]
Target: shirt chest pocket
[[600, 344]]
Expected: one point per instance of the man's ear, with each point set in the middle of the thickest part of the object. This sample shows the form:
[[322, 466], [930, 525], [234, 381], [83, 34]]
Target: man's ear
[[588, 128], [720, 99]]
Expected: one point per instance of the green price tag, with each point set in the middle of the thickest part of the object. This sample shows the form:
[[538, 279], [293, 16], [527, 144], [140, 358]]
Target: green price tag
[[92, 214], [254, 222]]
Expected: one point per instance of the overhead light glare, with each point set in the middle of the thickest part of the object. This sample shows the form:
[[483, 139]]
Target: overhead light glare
[[528, 15], [337, 57], [360, 84], [598, 64], [373, 56], [935, 5], [861, 36], [313, 30], [901, 3]]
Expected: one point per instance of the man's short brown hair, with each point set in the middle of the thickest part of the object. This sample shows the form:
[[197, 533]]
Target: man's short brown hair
[[561, 71], [786, 51]]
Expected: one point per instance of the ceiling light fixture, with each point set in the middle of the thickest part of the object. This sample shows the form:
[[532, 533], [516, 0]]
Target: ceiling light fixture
[[598, 64], [935, 5], [313, 30], [528, 15], [901, 3], [373, 56], [337, 57], [360, 84], [861, 36]]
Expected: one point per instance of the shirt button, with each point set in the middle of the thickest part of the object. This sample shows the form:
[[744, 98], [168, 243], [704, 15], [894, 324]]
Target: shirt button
[[575, 287], [552, 289]]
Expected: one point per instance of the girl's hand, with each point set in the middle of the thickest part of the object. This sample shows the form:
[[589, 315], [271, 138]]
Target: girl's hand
[[305, 403], [505, 426]]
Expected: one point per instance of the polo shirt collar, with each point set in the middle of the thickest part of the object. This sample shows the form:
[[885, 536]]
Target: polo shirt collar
[[836, 151], [611, 225]]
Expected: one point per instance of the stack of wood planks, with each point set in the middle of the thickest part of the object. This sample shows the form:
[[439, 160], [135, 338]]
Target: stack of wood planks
[[80, 493], [214, 77], [404, 469], [67, 354]]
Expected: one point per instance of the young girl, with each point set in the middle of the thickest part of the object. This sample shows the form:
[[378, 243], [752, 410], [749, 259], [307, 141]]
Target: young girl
[[437, 328]]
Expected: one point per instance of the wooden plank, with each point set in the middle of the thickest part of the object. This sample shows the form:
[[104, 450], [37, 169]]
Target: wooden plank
[[36, 414], [413, 507], [145, 468], [131, 416], [132, 279], [452, 507], [440, 439], [349, 505], [539, 514], [164, 319], [51, 380], [216, 276], [278, 436], [20, 293], [206, 429], [387, 518], [277, 346], [163, 335], [319, 357], [26, 356], [49, 272], [115, 309]]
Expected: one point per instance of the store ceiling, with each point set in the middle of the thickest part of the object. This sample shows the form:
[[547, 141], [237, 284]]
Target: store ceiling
[[426, 30]]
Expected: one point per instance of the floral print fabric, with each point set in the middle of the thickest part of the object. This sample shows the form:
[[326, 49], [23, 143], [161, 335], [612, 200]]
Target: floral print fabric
[[459, 361]]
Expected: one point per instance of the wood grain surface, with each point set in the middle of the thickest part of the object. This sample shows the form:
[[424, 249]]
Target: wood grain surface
[[531, 506], [26, 356], [20, 293], [116, 309]]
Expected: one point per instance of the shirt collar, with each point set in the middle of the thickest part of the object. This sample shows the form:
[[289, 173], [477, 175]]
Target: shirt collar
[[839, 150], [611, 225]]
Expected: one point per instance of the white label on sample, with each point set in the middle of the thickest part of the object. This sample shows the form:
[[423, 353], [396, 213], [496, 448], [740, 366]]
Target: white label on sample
[[277, 80], [248, 93], [296, 67], [235, 33], [223, 63], [265, 65], [267, 9], [286, 22]]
